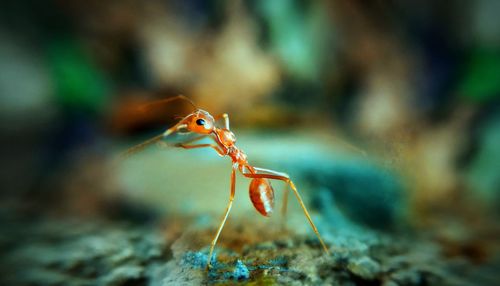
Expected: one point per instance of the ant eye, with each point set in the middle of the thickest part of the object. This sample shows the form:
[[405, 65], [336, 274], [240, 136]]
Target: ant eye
[[200, 122]]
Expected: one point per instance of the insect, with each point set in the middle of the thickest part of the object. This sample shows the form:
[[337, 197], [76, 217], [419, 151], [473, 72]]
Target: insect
[[223, 142]]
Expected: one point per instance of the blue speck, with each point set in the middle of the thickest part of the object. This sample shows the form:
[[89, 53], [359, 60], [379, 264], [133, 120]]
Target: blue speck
[[240, 272], [197, 259]]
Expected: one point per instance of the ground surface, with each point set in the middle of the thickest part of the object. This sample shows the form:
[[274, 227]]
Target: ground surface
[[76, 252]]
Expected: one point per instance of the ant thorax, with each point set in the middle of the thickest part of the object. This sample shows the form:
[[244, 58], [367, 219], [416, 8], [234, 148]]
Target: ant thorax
[[237, 155], [226, 137]]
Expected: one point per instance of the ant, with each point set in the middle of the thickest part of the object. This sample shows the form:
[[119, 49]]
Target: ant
[[261, 191]]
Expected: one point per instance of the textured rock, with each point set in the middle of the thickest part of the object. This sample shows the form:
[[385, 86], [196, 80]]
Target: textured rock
[[80, 252], [365, 267]]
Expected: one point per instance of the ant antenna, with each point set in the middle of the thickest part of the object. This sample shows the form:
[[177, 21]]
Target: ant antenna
[[139, 147], [167, 100]]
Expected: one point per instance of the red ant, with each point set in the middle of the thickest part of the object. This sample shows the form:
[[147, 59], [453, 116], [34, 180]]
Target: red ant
[[261, 191]]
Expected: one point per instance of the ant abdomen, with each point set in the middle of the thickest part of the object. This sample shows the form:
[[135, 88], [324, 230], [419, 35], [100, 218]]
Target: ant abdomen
[[262, 196]]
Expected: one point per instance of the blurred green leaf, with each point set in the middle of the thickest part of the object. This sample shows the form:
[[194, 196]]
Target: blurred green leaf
[[481, 80], [79, 84]]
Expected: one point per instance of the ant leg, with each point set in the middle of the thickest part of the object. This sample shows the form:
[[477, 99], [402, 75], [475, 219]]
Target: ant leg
[[197, 138], [216, 147], [224, 218], [139, 147], [173, 129], [196, 146], [285, 178], [199, 146], [225, 116], [285, 204], [157, 139]]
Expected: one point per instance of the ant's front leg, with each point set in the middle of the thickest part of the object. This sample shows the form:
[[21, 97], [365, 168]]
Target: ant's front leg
[[186, 144], [224, 218], [270, 174], [139, 147], [214, 146], [158, 139]]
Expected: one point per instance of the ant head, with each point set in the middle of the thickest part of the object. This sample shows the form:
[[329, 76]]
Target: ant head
[[200, 122]]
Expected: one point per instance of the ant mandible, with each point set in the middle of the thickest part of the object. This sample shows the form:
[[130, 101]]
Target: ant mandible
[[261, 191]]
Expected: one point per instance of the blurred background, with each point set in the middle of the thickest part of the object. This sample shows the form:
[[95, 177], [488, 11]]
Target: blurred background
[[386, 113]]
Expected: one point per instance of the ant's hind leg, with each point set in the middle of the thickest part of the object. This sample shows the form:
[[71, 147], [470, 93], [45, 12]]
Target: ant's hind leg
[[224, 218], [269, 174], [284, 207]]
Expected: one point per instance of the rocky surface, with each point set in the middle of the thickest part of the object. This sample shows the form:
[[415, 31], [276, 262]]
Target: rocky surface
[[79, 252], [75, 252]]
